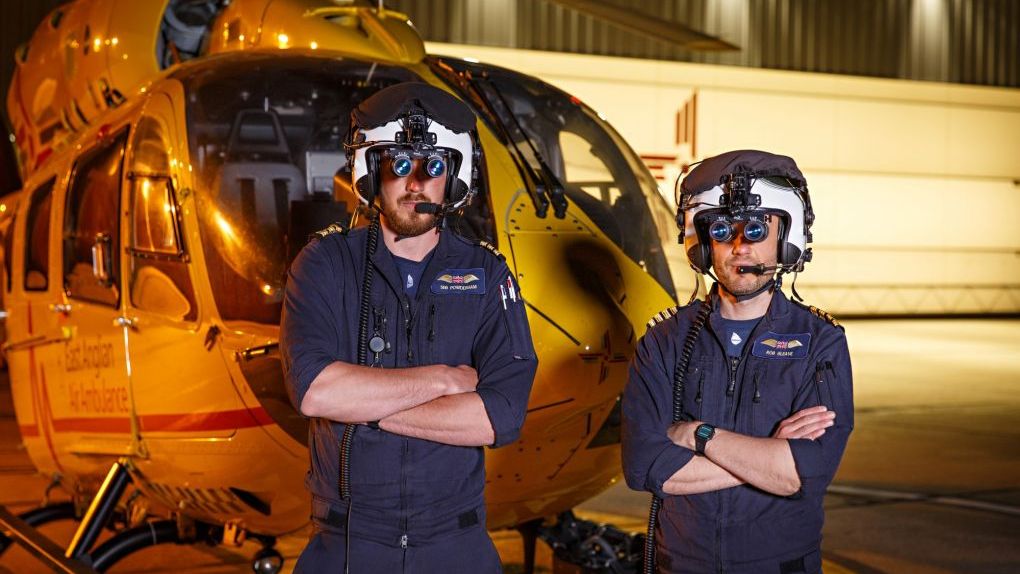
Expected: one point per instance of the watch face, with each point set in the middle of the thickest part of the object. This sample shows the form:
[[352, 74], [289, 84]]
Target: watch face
[[704, 431]]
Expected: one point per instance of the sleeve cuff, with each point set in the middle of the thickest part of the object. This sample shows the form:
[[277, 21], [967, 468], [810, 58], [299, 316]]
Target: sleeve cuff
[[808, 457], [498, 410], [303, 380], [670, 460]]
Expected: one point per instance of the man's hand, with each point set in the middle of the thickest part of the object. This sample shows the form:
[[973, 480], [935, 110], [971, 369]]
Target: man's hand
[[809, 423], [766, 463], [682, 433], [456, 380]]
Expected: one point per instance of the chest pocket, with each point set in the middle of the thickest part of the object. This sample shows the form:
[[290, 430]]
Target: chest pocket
[[697, 391], [774, 391], [448, 327]]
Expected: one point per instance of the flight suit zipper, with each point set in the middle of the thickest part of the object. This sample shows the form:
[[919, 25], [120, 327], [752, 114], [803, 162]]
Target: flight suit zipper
[[731, 387], [403, 497], [755, 401], [408, 329], [409, 332], [822, 385], [718, 547], [732, 401]]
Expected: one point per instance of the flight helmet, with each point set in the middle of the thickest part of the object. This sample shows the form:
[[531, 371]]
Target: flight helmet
[[745, 186], [413, 121]]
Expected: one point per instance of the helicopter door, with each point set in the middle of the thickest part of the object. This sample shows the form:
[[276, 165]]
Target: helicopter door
[[181, 386], [95, 366], [33, 323]]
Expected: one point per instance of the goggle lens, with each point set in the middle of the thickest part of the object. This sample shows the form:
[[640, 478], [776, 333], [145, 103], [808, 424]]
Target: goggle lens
[[402, 166], [722, 230], [755, 231], [435, 166]]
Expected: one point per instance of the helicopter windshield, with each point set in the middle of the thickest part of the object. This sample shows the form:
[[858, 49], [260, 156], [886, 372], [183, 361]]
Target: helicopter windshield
[[599, 173], [265, 133]]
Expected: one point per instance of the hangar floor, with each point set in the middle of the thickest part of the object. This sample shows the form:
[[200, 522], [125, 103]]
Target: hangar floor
[[930, 483]]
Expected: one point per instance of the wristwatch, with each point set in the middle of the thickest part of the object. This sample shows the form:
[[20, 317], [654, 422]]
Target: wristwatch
[[702, 435]]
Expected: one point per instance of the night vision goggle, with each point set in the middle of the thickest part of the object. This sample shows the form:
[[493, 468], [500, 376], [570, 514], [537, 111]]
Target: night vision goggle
[[723, 228], [433, 161]]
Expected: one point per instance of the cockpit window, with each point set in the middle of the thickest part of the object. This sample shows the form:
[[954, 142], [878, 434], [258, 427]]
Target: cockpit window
[[37, 244], [266, 139], [600, 174]]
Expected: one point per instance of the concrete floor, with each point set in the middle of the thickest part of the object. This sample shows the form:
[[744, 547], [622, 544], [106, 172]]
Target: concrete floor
[[930, 483]]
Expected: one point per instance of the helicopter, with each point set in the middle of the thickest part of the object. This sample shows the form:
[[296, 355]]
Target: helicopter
[[175, 157]]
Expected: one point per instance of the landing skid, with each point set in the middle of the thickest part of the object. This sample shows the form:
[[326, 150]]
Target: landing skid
[[39, 516], [81, 558]]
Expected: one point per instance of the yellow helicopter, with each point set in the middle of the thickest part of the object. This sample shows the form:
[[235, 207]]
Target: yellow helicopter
[[175, 157]]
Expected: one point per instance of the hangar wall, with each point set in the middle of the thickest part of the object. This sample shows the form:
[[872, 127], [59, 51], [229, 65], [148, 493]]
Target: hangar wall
[[915, 185]]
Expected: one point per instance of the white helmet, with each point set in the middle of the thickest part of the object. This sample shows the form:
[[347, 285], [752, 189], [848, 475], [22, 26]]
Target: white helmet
[[408, 121], [745, 186]]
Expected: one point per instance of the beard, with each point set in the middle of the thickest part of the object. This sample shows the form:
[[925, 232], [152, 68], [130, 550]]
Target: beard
[[407, 224], [742, 283]]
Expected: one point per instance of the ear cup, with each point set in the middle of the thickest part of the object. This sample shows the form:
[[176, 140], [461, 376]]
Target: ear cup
[[700, 257], [368, 184], [788, 253], [455, 188]]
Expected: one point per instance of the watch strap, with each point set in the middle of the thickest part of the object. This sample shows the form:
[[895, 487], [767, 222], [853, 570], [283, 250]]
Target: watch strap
[[702, 435]]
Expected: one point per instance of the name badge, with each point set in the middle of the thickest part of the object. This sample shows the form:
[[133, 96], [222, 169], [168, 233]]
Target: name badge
[[782, 346], [460, 281]]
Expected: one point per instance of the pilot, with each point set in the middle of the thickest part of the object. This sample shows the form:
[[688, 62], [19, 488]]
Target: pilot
[[738, 407], [408, 347]]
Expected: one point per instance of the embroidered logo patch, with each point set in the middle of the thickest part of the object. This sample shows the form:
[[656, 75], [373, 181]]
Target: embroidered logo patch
[[452, 281], [782, 346]]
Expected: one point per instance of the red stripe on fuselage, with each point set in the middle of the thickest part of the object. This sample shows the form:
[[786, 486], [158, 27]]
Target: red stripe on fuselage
[[28, 431], [188, 422]]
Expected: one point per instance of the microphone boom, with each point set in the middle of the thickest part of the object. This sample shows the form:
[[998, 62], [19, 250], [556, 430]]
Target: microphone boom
[[759, 269]]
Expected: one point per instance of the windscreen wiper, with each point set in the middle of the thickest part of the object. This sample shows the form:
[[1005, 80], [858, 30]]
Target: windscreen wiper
[[545, 179], [541, 183], [532, 180], [469, 89]]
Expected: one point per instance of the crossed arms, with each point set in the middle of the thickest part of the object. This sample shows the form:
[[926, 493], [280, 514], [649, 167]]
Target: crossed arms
[[732, 459], [434, 402], [478, 405], [801, 455]]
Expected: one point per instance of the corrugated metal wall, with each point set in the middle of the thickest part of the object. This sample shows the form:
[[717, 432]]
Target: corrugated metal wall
[[963, 41]]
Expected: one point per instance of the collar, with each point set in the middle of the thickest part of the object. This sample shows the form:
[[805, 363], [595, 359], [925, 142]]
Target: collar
[[443, 253], [779, 306]]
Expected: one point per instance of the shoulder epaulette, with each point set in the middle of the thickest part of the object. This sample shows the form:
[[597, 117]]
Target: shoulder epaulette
[[491, 249], [821, 314], [663, 315], [333, 228]]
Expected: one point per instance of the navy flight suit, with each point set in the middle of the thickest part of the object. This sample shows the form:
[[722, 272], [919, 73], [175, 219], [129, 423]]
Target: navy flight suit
[[416, 506], [793, 359]]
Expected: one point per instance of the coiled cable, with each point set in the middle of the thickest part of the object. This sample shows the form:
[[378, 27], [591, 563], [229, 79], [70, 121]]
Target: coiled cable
[[679, 414], [344, 474]]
